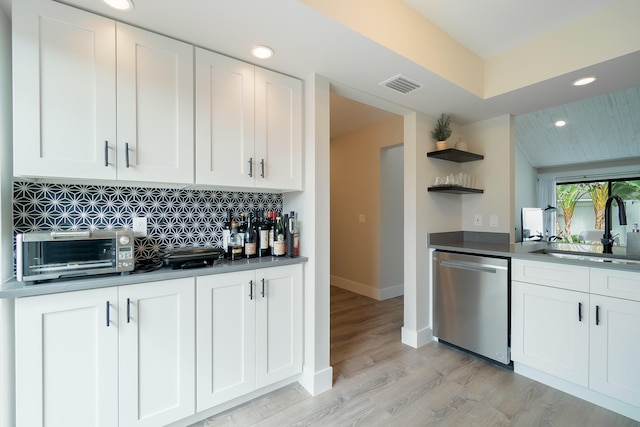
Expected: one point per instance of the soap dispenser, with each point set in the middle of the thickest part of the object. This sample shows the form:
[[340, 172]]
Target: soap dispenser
[[633, 241]]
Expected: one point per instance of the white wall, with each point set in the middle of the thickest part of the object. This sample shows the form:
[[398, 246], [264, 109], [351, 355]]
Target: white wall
[[6, 226], [495, 174], [526, 189], [391, 265], [313, 206]]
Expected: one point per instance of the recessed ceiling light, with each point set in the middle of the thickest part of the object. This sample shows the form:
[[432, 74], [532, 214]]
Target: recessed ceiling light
[[262, 52], [585, 81], [560, 123], [120, 4]]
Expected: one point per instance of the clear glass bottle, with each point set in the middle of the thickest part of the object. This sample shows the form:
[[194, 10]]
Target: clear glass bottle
[[235, 243]]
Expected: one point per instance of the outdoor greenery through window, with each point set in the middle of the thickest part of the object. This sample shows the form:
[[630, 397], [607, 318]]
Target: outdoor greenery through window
[[580, 209]]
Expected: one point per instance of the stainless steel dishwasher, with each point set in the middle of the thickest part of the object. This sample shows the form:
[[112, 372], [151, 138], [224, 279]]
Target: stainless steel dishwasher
[[471, 303]]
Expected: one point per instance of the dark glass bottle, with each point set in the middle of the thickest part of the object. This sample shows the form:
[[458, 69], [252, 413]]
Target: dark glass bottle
[[279, 243], [250, 239], [263, 236]]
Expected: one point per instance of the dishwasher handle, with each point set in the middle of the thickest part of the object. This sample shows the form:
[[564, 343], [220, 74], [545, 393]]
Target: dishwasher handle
[[474, 266]]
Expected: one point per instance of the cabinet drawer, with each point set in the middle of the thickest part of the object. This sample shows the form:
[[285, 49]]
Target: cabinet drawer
[[615, 283], [558, 275]]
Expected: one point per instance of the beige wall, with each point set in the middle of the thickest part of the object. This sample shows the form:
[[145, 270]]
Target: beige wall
[[494, 139], [355, 191]]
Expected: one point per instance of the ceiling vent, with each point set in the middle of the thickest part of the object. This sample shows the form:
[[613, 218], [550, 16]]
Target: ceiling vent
[[402, 84]]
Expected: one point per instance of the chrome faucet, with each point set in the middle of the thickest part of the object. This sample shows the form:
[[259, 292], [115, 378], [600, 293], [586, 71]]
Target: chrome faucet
[[607, 241]]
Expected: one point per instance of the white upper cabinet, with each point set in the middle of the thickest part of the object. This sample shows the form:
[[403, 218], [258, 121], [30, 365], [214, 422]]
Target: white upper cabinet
[[248, 125], [70, 121], [278, 147], [155, 107], [224, 120], [64, 84]]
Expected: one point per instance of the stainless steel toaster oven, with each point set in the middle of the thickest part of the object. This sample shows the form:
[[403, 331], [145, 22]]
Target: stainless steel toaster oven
[[44, 255]]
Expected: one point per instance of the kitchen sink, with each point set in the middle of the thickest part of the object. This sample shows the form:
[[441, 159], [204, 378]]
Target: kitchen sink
[[586, 257]]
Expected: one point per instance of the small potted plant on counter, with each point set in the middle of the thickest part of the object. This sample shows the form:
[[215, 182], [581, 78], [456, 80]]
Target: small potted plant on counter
[[442, 131]]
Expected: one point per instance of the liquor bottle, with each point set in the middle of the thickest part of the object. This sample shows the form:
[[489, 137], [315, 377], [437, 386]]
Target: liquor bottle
[[250, 239], [235, 242], [226, 232], [279, 244], [263, 236], [242, 226], [272, 231]]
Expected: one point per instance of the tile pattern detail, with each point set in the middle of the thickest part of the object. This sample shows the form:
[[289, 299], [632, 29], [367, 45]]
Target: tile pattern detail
[[175, 217]]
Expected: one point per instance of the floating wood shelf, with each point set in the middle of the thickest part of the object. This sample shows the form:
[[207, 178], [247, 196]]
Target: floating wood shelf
[[455, 189], [453, 155]]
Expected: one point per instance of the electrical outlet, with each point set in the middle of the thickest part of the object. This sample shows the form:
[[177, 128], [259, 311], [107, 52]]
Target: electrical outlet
[[477, 220], [362, 219], [493, 220], [140, 226]]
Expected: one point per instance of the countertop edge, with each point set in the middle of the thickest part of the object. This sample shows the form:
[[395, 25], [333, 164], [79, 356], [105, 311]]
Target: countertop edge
[[16, 289], [526, 251]]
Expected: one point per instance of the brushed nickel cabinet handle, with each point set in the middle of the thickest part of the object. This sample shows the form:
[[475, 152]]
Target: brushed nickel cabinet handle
[[126, 153]]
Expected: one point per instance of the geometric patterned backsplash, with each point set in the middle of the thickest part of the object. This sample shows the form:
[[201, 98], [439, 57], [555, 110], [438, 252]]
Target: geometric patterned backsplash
[[175, 217]]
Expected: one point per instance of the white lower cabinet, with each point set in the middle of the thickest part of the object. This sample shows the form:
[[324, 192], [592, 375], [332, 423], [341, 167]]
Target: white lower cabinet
[[106, 357], [551, 330], [67, 359], [249, 332], [615, 348], [587, 338], [157, 352]]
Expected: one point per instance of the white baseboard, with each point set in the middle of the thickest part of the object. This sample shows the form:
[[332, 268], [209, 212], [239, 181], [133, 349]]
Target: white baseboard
[[416, 339], [589, 395], [368, 291], [317, 382]]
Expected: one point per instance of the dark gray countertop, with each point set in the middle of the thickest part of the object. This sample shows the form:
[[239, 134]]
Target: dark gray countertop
[[495, 245], [15, 289]]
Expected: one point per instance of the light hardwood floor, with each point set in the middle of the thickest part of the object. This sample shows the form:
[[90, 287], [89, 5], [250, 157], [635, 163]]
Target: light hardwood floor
[[378, 381]]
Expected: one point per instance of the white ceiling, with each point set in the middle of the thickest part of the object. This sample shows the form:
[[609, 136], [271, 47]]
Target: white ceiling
[[307, 42]]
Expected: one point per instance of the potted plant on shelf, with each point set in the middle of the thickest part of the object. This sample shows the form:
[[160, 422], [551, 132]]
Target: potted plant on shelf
[[442, 131]]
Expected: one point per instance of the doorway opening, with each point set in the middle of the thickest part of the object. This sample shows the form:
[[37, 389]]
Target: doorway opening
[[366, 219]]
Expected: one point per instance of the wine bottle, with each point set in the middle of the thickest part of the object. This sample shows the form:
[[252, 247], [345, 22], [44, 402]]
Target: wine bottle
[[279, 244], [250, 239], [263, 236]]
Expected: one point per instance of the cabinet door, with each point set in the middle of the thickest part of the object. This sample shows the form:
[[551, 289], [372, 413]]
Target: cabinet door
[[225, 337], [67, 359], [550, 330], [224, 121], [157, 352], [155, 107], [278, 323], [278, 146], [615, 348], [64, 99]]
